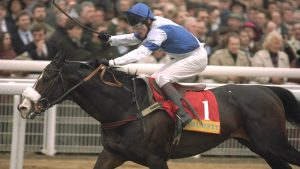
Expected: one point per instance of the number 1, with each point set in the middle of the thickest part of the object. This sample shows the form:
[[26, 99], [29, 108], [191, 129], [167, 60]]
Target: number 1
[[206, 112]]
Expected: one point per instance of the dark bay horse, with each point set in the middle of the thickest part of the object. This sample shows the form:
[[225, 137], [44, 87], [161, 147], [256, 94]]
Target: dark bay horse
[[254, 115]]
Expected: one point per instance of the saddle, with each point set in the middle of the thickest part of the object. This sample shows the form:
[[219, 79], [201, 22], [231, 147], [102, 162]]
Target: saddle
[[181, 88], [200, 104]]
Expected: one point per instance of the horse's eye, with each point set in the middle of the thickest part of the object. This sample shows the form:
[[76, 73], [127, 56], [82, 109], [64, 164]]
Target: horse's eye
[[49, 76], [85, 66]]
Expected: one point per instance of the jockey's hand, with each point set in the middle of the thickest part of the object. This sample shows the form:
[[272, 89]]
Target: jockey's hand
[[102, 61], [104, 37]]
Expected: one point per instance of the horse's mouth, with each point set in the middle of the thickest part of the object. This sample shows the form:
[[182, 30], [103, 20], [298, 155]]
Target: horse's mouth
[[28, 115]]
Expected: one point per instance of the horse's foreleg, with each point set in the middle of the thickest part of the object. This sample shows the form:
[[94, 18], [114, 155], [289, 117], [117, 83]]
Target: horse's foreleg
[[155, 162], [108, 160]]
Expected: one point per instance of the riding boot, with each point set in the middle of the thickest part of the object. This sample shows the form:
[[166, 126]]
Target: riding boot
[[173, 95]]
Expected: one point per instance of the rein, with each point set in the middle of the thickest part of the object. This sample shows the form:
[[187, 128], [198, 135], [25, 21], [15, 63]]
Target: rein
[[43, 104], [92, 74], [116, 84]]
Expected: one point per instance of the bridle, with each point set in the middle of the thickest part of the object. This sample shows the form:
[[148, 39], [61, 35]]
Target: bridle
[[44, 103]]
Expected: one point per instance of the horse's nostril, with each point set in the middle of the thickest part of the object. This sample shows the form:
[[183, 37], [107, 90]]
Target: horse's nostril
[[22, 108]]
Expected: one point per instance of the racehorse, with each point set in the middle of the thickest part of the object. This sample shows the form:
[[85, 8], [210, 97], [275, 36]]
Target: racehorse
[[254, 115]]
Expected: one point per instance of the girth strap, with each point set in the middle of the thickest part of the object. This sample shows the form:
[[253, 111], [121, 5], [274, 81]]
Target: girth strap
[[115, 124]]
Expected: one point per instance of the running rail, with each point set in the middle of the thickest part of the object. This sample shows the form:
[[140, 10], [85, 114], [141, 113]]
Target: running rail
[[38, 66]]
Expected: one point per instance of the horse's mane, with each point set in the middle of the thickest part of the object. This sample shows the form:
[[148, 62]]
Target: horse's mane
[[79, 67]]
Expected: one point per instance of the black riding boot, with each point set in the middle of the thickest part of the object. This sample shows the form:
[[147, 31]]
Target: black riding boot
[[173, 95]]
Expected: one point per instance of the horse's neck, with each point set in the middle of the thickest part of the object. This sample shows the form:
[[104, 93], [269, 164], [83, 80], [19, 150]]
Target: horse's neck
[[104, 102]]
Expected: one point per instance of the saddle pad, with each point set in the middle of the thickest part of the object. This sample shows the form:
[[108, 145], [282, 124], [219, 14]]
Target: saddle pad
[[203, 102]]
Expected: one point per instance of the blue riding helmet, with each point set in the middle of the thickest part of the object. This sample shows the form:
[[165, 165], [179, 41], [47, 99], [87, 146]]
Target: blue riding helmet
[[139, 13]]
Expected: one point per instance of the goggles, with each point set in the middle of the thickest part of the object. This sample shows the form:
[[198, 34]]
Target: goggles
[[137, 26]]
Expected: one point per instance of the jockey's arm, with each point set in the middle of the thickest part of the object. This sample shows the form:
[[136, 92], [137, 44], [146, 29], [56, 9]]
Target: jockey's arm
[[152, 43], [133, 56], [124, 40]]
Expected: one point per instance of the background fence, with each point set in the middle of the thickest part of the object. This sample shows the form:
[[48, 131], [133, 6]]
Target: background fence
[[76, 132]]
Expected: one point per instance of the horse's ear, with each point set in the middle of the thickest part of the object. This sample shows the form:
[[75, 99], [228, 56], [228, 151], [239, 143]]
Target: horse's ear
[[60, 57]]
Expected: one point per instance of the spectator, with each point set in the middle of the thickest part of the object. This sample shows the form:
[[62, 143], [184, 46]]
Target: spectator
[[296, 16], [286, 5], [39, 49], [295, 64], [86, 14], [234, 22], [13, 8], [122, 6], [39, 16], [5, 24], [179, 17], [254, 45], [108, 6], [277, 19], [197, 28], [251, 14], [260, 22], [60, 31], [202, 15], [245, 43], [159, 12], [78, 48], [214, 20], [259, 3], [71, 8], [191, 25], [272, 7], [294, 42], [224, 10], [104, 49], [53, 11], [169, 10], [231, 13], [6, 48], [230, 56], [29, 5], [121, 28], [270, 27], [99, 17], [237, 7], [7, 52], [202, 35], [288, 17], [22, 36], [271, 56]]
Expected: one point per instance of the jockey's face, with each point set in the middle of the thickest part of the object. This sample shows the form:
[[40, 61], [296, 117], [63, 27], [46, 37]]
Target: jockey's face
[[141, 29]]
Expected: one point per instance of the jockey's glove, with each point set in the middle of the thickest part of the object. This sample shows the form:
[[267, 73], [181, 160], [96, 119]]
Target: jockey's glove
[[102, 61], [104, 37]]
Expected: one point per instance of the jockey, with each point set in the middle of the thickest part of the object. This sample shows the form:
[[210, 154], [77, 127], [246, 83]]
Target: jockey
[[153, 32]]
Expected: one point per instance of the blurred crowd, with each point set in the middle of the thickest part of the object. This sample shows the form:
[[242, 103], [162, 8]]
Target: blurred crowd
[[259, 33]]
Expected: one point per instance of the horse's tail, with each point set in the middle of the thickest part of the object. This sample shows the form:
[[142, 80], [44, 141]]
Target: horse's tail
[[290, 103]]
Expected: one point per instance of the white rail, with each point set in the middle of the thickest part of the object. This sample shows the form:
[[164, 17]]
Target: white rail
[[37, 66]]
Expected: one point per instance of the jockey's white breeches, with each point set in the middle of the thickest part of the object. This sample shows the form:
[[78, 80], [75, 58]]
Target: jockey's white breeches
[[182, 67]]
